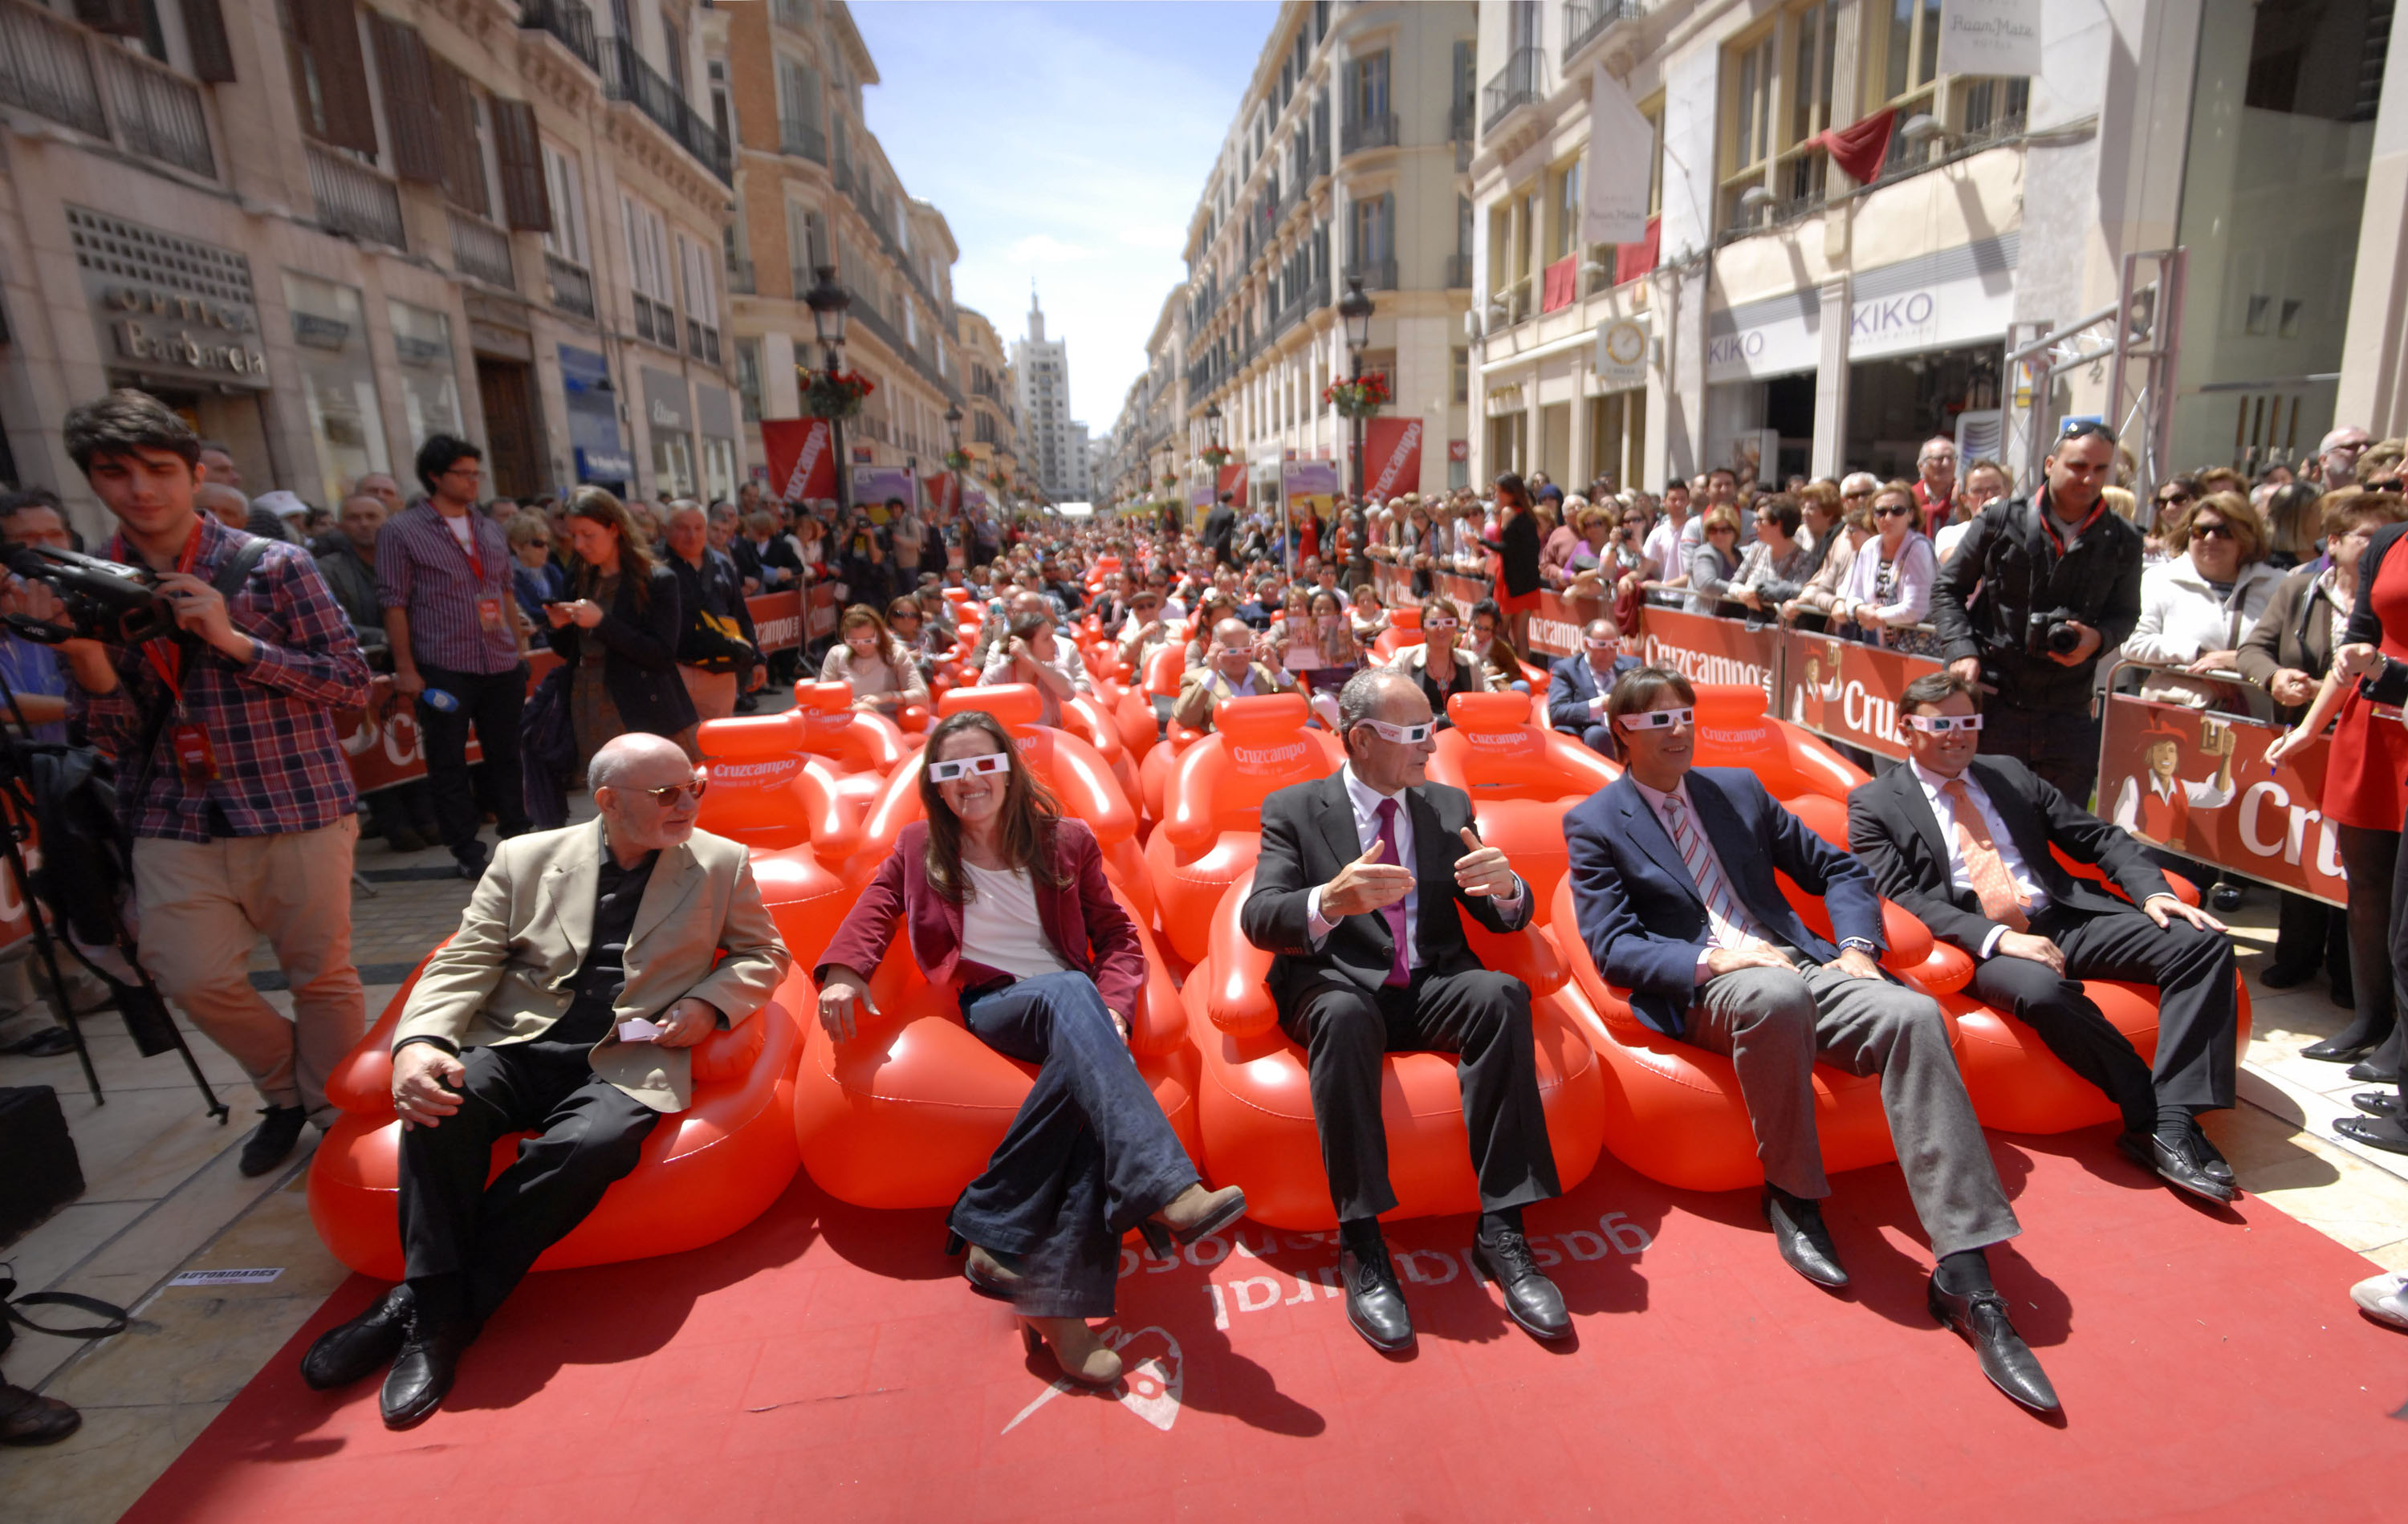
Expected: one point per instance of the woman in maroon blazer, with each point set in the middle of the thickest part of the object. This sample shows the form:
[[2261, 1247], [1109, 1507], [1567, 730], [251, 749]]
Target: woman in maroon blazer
[[1006, 900]]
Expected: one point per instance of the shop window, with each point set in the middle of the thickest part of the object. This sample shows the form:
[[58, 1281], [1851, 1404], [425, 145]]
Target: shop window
[[425, 370], [673, 465], [330, 342], [719, 469]]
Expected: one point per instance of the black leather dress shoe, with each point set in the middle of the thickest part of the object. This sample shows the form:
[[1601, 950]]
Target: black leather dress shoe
[[279, 1130], [1531, 1298], [2383, 1103], [1375, 1303], [2224, 897], [2006, 1359], [361, 1348], [421, 1374], [2374, 1131], [2286, 976], [1799, 1233], [2178, 1163]]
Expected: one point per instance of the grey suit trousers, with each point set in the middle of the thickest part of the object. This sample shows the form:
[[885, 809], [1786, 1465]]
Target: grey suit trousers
[[1773, 1024]]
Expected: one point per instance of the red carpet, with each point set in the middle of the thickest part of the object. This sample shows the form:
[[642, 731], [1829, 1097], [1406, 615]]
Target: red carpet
[[827, 1363]]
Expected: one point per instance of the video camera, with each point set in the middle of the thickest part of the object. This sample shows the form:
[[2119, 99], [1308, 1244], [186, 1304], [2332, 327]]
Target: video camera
[[105, 600]]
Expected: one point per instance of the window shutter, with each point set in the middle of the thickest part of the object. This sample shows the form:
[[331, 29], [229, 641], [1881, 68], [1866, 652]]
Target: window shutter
[[116, 17], [336, 74], [1351, 94], [204, 32], [402, 70], [464, 162], [525, 203]]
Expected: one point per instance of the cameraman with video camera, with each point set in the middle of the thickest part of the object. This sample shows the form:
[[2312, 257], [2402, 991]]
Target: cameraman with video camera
[[231, 778], [2059, 576]]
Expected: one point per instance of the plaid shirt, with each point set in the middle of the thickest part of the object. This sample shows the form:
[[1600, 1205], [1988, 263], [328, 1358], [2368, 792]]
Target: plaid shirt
[[271, 721], [421, 568]]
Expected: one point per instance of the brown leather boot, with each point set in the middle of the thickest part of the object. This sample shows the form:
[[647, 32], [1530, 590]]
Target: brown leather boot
[[1198, 1213], [29, 1418], [1084, 1357]]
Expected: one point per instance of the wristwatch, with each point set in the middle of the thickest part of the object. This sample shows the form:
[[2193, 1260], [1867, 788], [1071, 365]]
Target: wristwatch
[[1860, 945]]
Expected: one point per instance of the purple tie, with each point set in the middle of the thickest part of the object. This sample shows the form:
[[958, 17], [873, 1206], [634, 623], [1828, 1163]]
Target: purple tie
[[1395, 914]]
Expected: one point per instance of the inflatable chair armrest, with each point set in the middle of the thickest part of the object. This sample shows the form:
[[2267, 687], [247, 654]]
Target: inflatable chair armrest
[[889, 983], [1947, 970], [1236, 994], [1160, 1023], [727, 1056], [833, 824], [2184, 888], [1528, 955], [1910, 940]]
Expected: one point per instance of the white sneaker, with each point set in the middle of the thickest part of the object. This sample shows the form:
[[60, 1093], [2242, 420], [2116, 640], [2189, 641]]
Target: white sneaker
[[2380, 1297]]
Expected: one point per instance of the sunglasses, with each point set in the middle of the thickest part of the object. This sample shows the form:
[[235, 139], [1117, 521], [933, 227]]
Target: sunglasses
[[1942, 724], [671, 797], [2169, 499], [1403, 734], [1657, 719], [1892, 512], [945, 772], [2213, 532], [1861, 492]]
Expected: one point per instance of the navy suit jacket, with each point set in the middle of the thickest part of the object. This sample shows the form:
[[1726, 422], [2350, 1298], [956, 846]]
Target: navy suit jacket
[[1639, 910], [1571, 682]]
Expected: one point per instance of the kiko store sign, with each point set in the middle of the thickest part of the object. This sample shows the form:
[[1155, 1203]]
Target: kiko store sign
[[1957, 296]]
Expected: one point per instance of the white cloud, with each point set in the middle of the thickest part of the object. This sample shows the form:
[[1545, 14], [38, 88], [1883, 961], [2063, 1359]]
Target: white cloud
[[1044, 249], [1173, 239]]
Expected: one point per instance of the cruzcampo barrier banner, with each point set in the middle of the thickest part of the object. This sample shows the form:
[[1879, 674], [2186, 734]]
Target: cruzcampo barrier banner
[[1847, 690], [1706, 649], [2199, 783]]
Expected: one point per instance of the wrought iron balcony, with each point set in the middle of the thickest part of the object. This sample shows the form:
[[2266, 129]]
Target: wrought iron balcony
[[625, 76], [352, 198], [741, 280], [568, 21], [54, 69], [655, 323], [572, 288], [1516, 84], [1586, 21], [480, 249], [1378, 275], [1378, 132], [1458, 271], [800, 138]]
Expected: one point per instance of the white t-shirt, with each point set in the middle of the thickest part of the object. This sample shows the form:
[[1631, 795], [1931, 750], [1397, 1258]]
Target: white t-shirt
[[1000, 926], [458, 524]]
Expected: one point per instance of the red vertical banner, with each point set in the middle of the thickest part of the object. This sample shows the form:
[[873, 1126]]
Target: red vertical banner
[[1392, 452], [1559, 284], [802, 466], [1230, 478]]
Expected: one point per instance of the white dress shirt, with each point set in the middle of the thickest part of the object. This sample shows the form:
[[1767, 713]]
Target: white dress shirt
[[1746, 922], [1366, 801], [2035, 899]]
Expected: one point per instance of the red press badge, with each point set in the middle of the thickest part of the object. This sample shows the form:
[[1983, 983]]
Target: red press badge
[[197, 761], [489, 613]]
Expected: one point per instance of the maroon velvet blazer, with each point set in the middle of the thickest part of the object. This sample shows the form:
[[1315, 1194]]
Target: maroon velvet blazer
[[1087, 927]]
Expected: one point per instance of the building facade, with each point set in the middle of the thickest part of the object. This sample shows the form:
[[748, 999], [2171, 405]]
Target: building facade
[[991, 436], [1056, 445], [814, 190], [328, 230], [1784, 317], [1341, 164], [1148, 454]]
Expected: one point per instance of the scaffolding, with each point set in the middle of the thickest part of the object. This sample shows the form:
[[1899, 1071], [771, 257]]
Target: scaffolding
[[2132, 344]]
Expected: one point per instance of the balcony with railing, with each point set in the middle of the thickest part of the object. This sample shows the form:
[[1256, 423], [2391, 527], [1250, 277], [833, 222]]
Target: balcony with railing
[[569, 22], [1376, 275], [740, 278], [352, 198], [571, 288], [625, 76], [54, 69], [865, 314], [702, 341], [1586, 21], [656, 322], [1514, 85], [1459, 133], [1458, 271], [792, 13], [1509, 304], [1367, 132], [480, 249], [800, 138]]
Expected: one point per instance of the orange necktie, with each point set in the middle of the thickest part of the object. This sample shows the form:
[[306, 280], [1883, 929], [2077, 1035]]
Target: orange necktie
[[1983, 864]]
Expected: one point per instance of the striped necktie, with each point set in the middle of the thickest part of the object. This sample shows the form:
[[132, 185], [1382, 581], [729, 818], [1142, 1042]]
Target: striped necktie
[[1733, 927]]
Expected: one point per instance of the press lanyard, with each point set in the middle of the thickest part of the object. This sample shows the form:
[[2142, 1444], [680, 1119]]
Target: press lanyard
[[468, 548], [166, 657], [2048, 521]]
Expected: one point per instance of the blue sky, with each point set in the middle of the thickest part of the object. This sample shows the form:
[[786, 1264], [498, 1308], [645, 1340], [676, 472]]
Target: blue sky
[[1066, 142]]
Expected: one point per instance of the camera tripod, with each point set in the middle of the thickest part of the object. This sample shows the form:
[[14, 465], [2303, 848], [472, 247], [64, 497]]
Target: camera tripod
[[144, 1007]]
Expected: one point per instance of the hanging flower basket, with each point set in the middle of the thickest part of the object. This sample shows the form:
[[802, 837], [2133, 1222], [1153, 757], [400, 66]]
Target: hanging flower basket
[[1357, 399], [957, 460], [1169, 482], [835, 396], [1215, 457]]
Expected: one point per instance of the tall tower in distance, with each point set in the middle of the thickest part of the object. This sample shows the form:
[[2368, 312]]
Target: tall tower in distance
[[1040, 369]]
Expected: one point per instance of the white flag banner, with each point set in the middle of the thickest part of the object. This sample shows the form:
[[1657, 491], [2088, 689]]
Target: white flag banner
[[1998, 38], [1613, 192]]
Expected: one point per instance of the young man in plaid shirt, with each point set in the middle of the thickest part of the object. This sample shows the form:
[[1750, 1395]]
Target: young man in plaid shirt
[[231, 778]]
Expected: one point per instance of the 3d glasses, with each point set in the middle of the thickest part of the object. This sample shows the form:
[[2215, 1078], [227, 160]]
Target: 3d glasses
[[1942, 724], [1402, 735], [1657, 719], [945, 772]]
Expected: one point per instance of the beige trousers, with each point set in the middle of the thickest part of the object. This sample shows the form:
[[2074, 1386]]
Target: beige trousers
[[204, 903], [713, 692]]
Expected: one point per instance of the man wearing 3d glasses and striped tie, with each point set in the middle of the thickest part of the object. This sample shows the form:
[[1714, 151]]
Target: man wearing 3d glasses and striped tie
[[1360, 890], [1673, 888]]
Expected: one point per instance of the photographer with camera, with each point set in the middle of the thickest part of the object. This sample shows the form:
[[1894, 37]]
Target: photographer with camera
[[2059, 585], [231, 777]]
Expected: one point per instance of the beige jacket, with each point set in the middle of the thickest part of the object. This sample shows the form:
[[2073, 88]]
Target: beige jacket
[[1203, 689], [503, 978]]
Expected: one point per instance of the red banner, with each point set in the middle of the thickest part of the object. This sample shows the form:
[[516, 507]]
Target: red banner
[[1709, 651], [1393, 455], [819, 617], [1847, 690], [1561, 283], [1861, 147], [777, 620], [802, 467], [1631, 260], [1230, 478], [1555, 624], [2199, 783]]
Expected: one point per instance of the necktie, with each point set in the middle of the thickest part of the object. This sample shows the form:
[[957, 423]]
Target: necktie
[[1395, 914], [1729, 920], [1983, 864]]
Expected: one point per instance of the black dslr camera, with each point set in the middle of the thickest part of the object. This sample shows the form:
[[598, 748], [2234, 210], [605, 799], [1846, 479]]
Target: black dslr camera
[[2051, 633], [105, 600]]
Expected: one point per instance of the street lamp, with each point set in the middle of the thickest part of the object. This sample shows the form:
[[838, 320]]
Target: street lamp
[[830, 304], [1355, 311]]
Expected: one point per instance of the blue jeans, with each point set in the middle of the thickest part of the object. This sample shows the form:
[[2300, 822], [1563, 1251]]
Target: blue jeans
[[1089, 1156]]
